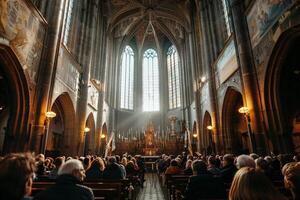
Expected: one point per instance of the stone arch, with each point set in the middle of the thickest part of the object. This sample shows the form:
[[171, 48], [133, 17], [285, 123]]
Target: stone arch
[[90, 136], [104, 131], [208, 142], [61, 135], [281, 93], [234, 126], [15, 102]]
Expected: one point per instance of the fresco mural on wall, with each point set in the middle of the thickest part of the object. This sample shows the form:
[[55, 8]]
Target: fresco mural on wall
[[25, 33], [263, 15], [226, 64], [67, 71]]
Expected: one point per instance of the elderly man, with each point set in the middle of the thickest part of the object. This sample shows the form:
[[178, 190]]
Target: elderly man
[[67, 186], [245, 161]]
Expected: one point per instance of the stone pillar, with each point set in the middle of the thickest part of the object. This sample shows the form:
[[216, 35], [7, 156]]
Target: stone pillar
[[192, 46], [248, 74], [47, 73], [209, 55], [87, 45]]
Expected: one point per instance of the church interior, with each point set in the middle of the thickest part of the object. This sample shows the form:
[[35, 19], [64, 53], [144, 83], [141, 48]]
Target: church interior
[[158, 83]]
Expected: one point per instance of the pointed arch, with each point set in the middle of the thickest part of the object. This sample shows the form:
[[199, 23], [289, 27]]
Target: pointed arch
[[207, 138], [90, 135], [62, 134], [150, 81], [281, 96], [127, 78], [234, 126], [14, 113]]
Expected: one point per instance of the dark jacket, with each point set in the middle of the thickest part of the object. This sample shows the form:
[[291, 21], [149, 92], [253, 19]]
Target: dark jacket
[[113, 172], [204, 186], [228, 173], [66, 187], [93, 174]]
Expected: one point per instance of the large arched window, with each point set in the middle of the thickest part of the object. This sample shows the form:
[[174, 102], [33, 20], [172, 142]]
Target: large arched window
[[127, 79], [68, 19], [150, 81], [173, 78]]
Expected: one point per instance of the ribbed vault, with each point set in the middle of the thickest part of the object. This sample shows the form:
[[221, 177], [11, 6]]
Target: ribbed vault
[[148, 21]]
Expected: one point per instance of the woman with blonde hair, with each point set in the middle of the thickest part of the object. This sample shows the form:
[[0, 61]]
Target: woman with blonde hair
[[249, 184]]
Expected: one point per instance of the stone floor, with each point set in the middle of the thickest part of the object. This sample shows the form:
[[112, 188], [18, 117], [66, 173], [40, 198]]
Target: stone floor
[[152, 189]]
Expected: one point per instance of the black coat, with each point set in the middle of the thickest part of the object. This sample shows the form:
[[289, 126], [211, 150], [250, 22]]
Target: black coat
[[66, 187], [228, 173], [113, 172], [93, 174], [205, 186]]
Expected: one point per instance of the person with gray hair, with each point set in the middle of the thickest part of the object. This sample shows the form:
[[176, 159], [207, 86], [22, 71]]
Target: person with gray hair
[[245, 161], [67, 186]]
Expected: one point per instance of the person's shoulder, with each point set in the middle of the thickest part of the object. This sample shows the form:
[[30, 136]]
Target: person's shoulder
[[87, 191], [84, 188]]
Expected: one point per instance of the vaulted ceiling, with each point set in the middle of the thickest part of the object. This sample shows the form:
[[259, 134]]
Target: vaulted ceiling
[[148, 21]]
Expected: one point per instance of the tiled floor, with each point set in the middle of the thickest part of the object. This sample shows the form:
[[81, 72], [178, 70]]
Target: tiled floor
[[152, 189]]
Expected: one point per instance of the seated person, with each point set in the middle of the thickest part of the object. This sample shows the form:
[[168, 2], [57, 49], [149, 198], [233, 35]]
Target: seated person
[[244, 161], [212, 166], [188, 168], [203, 185], [291, 173], [95, 171], [16, 174], [67, 186], [113, 171], [249, 184], [228, 168], [173, 168], [57, 162]]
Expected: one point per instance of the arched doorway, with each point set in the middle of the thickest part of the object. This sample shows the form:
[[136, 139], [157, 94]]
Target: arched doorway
[[195, 137], [61, 136], [282, 93], [14, 103], [90, 138], [103, 137], [209, 143], [234, 123]]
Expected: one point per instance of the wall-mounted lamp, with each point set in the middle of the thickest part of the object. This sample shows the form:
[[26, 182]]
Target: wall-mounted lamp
[[102, 136], [209, 127], [245, 111], [50, 114], [87, 129], [203, 79], [195, 135]]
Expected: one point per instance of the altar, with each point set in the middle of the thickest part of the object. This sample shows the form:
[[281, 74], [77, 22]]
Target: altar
[[150, 148], [150, 162]]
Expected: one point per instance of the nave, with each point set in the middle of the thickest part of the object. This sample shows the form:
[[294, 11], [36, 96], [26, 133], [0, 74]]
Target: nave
[[152, 189]]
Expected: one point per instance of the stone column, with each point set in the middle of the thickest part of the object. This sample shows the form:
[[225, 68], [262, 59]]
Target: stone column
[[248, 74], [86, 54], [209, 55], [47, 73]]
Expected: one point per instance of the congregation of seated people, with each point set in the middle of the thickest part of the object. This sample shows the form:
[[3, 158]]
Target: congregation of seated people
[[232, 177], [208, 177]]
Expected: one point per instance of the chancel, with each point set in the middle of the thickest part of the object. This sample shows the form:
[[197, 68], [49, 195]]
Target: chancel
[[149, 99]]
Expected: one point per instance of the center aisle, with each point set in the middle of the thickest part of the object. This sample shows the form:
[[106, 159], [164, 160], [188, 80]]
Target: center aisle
[[152, 189]]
